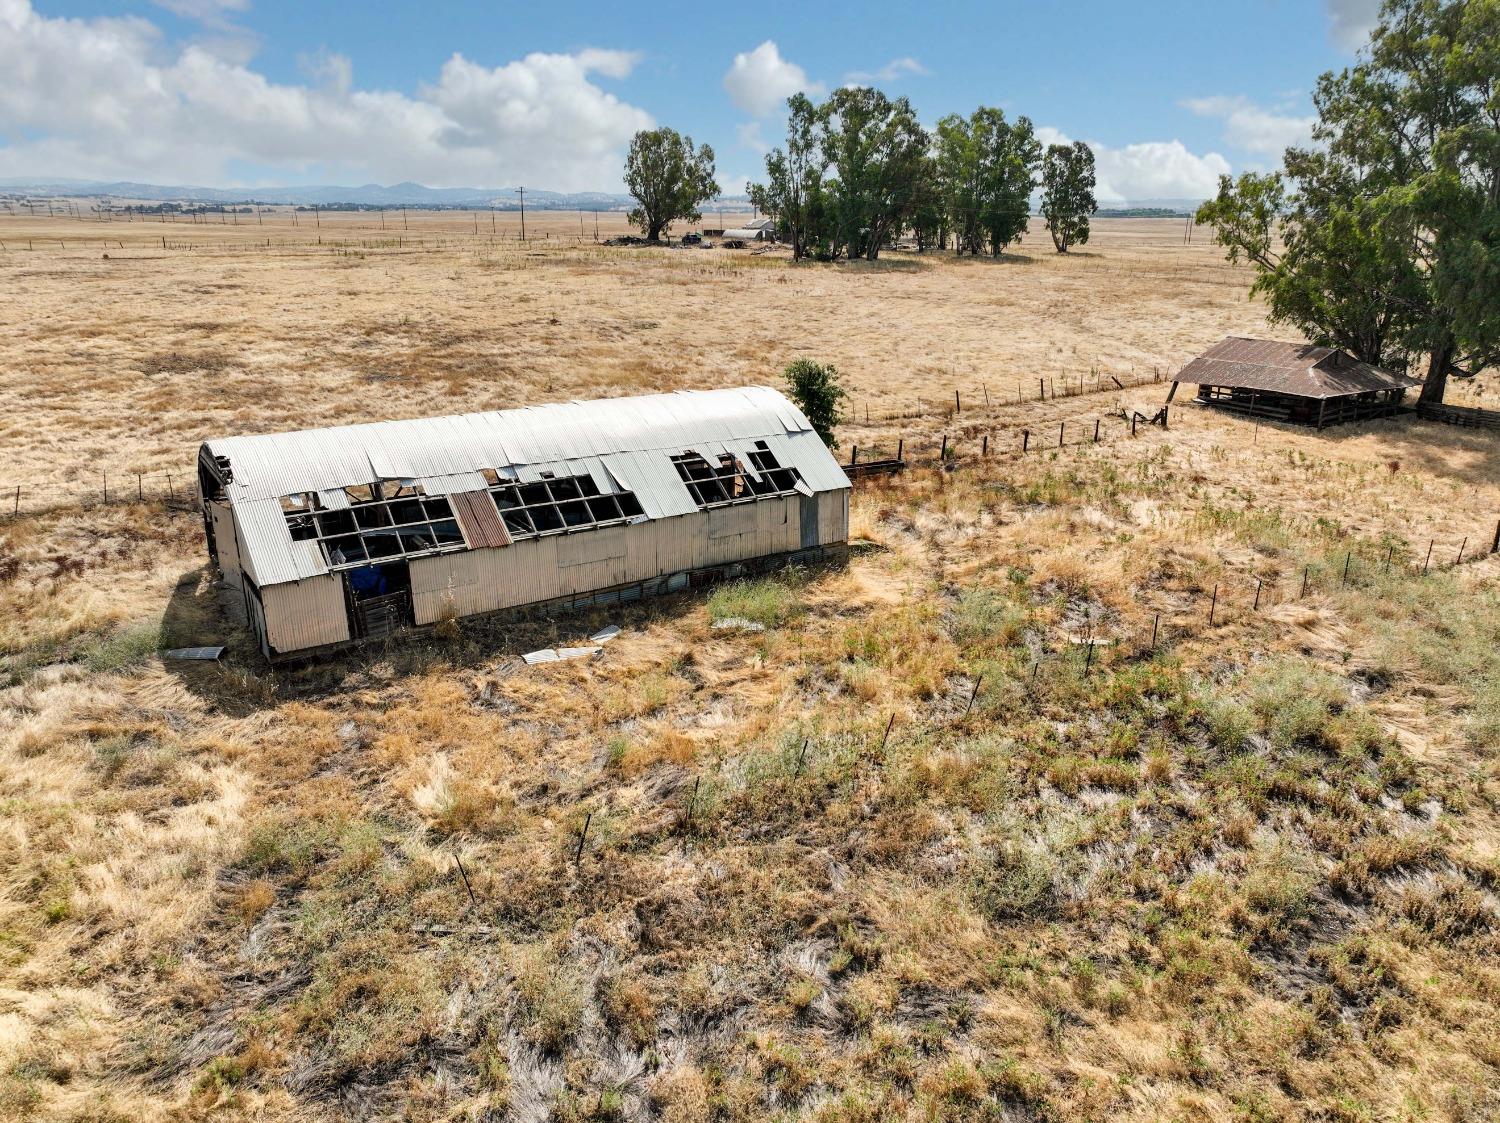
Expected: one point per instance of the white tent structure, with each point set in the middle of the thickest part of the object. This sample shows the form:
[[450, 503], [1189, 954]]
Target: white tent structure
[[331, 536], [761, 230]]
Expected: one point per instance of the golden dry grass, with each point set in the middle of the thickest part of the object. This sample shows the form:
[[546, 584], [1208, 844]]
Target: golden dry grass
[[1252, 877]]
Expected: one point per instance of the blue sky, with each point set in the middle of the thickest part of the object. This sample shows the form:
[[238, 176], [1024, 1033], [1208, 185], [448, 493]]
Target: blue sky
[[258, 92]]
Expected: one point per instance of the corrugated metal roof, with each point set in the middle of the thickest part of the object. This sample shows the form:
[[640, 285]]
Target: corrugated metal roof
[[1300, 369], [622, 442]]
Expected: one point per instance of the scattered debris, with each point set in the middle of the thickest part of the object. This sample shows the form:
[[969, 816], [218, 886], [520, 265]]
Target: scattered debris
[[738, 624], [195, 654], [560, 654]]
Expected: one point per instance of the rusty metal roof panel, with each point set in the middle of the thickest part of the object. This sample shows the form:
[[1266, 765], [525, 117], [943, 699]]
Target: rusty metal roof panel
[[1299, 369]]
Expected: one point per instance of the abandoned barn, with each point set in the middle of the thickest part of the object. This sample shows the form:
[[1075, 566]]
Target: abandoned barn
[[332, 536], [1295, 382]]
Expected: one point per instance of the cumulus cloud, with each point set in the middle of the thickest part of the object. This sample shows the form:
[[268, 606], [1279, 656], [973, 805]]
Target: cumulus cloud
[[1252, 128], [1148, 170], [760, 81], [897, 68], [749, 135], [108, 98], [1351, 21]]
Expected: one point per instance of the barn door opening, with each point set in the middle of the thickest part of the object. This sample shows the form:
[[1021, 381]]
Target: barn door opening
[[379, 598], [809, 521]]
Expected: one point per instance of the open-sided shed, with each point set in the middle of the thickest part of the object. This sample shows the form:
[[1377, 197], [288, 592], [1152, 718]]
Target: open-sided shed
[[1295, 382], [331, 536]]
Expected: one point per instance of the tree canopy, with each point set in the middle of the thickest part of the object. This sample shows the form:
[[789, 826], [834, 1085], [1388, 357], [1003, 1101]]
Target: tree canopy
[[1384, 240], [669, 179], [851, 176], [819, 394], [1068, 193], [986, 169]]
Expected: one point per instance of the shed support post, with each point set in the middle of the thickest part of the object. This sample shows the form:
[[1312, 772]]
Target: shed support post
[[1322, 403]]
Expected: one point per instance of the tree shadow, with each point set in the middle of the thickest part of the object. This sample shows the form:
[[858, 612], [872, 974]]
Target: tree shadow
[[1444, 451], [985, 260]]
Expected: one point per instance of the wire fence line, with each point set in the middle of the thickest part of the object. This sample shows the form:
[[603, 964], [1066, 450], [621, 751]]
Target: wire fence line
[[945, 454], [127, 485], [987, 397], [111, 487]]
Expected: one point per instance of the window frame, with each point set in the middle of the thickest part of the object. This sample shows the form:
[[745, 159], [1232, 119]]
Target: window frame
[[729, 483], [566, 504], [366, 523]]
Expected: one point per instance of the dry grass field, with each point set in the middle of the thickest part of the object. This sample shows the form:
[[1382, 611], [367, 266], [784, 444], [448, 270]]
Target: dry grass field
[[911, 852]]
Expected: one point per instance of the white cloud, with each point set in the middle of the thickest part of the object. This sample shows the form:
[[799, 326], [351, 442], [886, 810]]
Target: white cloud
[[890, 72], [759, 81], [1148, 170], [108, 98], [1252, 128], [1351, 21], [215, 13], [749, 135]]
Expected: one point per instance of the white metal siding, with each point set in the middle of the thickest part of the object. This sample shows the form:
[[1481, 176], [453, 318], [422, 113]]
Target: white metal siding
[[588, 546], [532, 569], [306, 613], [833, 517]]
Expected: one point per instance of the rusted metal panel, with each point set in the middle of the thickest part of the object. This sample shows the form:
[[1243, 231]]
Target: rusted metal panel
[[1299, 369], [479, 519]]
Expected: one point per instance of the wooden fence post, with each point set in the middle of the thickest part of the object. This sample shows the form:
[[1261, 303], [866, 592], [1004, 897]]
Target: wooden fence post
[[589, 818], [1212, 605]]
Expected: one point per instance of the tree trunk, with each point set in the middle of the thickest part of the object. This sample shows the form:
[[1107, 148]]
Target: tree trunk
[[1437, 373]]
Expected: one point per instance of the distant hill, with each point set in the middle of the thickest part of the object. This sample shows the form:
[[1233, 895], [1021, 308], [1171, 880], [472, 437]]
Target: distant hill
[[1144, 212], [368, 195]]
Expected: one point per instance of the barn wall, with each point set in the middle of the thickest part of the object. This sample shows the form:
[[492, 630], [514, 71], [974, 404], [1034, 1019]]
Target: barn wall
[[539, 569], [833, 517], [306, 613], [226, 541]]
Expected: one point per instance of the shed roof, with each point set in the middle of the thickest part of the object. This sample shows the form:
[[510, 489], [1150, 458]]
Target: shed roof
[[1300, 369], [622, 443]]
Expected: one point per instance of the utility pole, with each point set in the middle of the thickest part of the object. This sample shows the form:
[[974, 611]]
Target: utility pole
[[521, 191]]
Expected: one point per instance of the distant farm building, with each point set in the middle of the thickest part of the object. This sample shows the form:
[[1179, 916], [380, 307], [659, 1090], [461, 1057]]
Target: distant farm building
[[332, 536], [761, 230], [1295, 382]]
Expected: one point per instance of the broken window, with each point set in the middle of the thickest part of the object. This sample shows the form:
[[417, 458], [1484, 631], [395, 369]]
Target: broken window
[[727, 481], [390, 519], [563, 503]]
